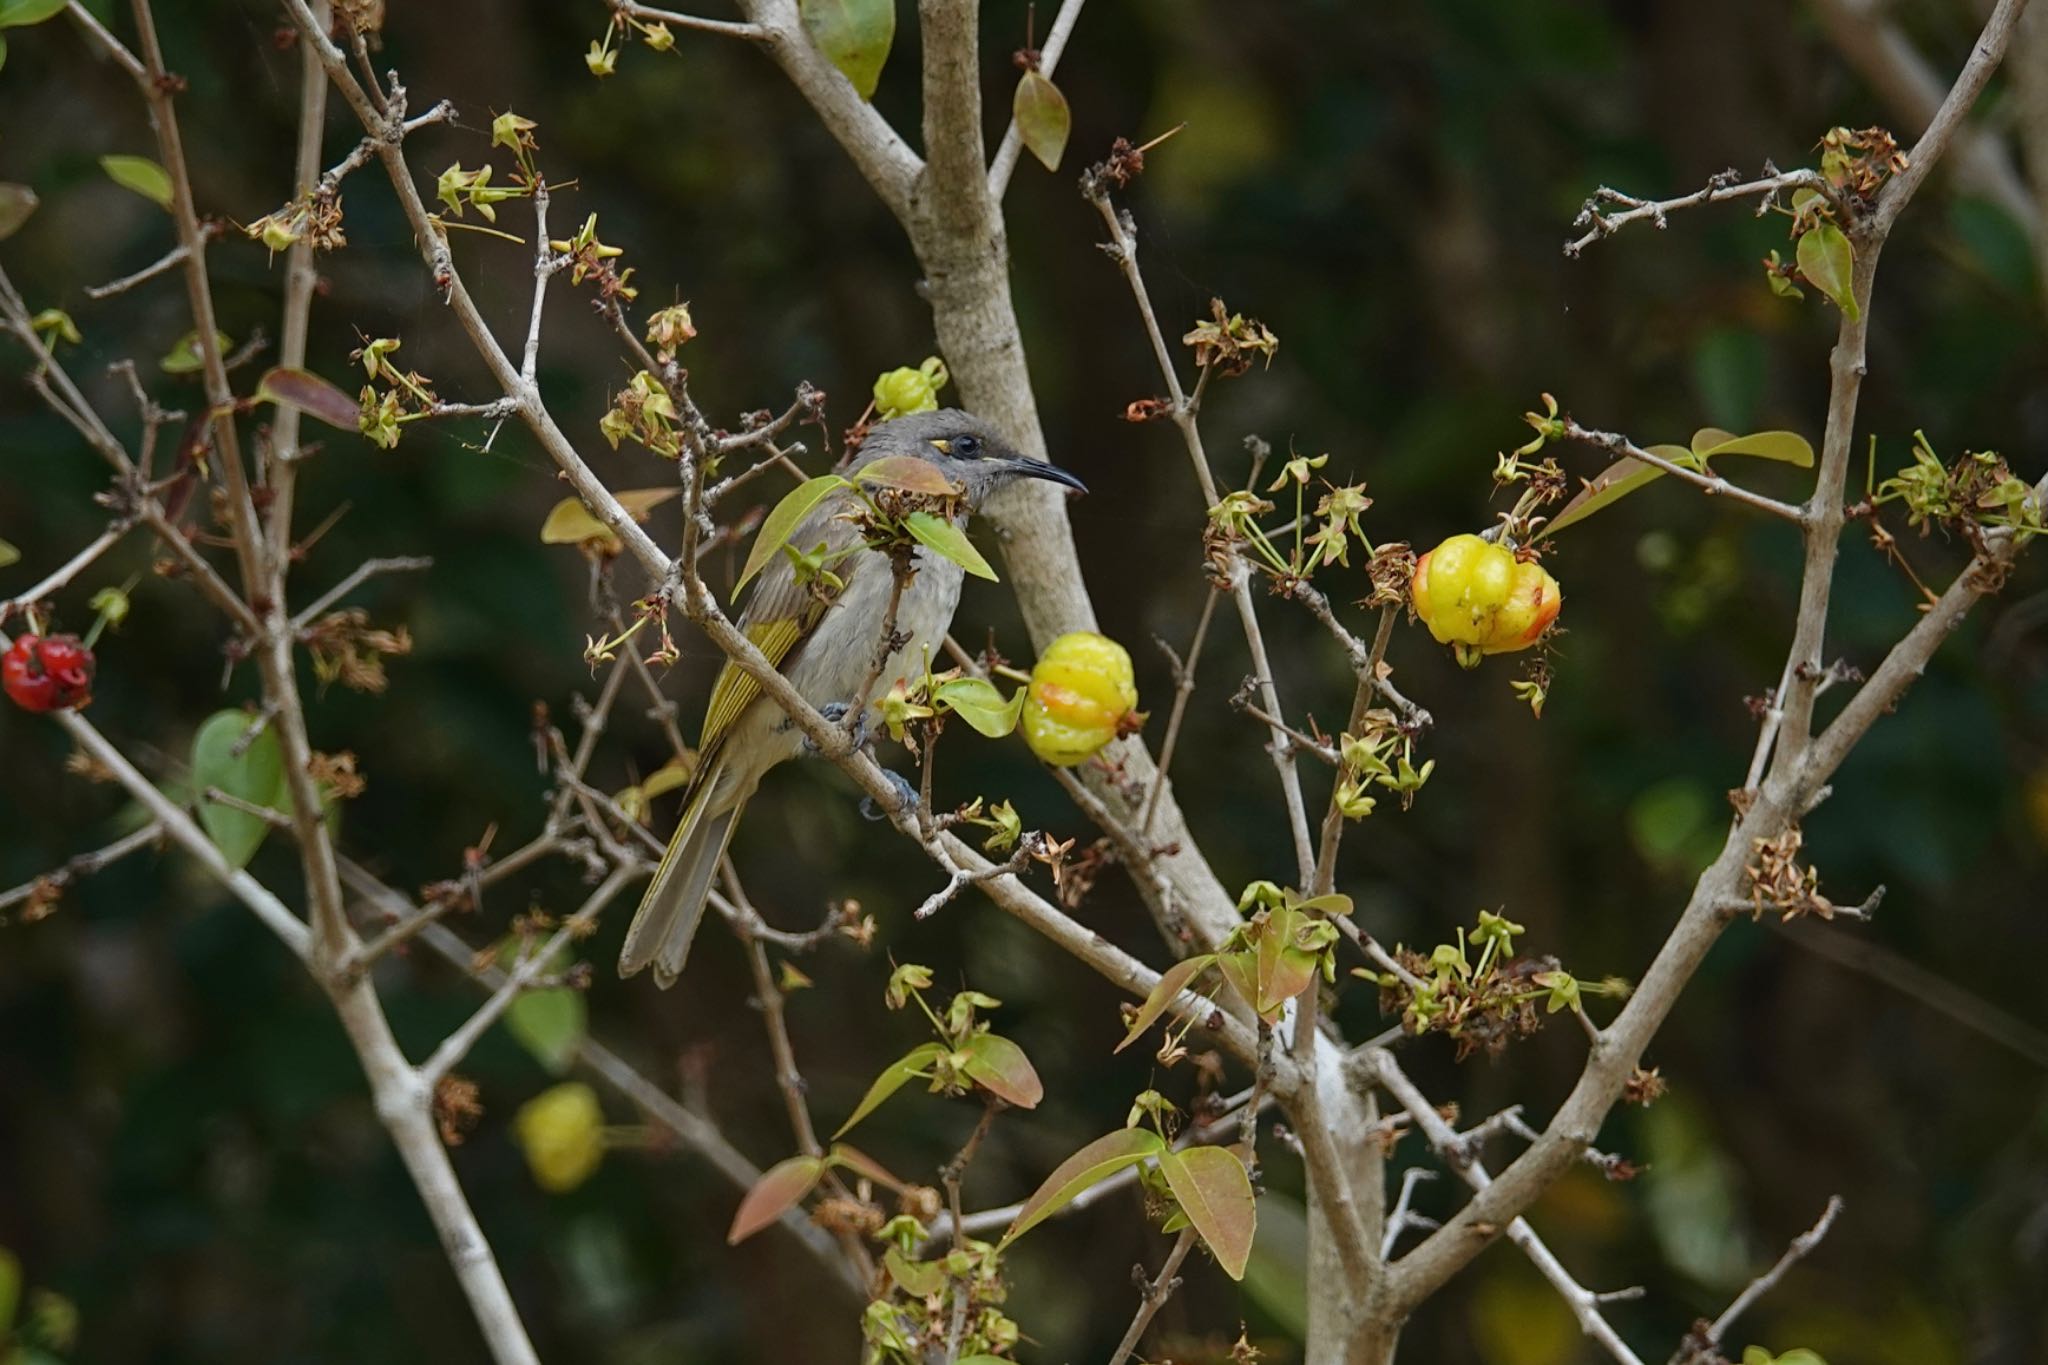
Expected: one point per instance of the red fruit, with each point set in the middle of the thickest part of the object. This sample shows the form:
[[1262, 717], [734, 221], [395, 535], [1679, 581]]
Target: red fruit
[[47, 674]]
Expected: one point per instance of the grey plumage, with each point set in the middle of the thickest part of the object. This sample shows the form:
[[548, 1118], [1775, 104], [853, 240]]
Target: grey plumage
[[827, 652]]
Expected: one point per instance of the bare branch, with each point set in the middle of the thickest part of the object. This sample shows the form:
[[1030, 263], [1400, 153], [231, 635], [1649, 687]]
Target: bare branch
[[85, 864], [1153, 1295], [1700, 1346], [1584, 1303], [1727, 184], [362, 573]]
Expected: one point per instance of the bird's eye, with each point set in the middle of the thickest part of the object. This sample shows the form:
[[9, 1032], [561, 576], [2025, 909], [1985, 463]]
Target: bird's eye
[[967, 447]]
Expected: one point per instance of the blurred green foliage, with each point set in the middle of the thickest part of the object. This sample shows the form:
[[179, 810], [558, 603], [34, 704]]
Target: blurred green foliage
[[185, 1147]]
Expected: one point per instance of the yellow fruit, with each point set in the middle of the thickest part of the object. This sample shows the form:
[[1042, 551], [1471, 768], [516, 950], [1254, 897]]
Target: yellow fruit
[[562, 1132], [1081, 694], [1478, 598]]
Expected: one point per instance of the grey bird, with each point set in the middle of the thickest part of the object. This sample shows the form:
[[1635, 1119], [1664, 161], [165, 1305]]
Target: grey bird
[[827, 650]]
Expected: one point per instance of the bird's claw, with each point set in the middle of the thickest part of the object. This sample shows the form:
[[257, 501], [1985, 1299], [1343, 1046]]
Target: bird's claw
[[836, 711], [906, 796]]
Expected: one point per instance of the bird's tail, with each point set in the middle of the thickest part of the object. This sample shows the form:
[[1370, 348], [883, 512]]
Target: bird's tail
[[674, 903]]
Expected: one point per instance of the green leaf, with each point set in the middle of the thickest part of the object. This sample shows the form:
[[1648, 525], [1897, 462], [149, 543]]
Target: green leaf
[[1213, 1189], [1043, 119], [944, 538], [184, 356], [1171, 983], [919, 1279], [256, 775], [1826, 258], [976, 701], [571, 523], [310, 394], [8, 555], [1094, 1163], [1241, 970], [551, 1024], [3, 51], [898, 1073], [781, 1188], [1611, 485], [854, 35], [1000, 1067], [1786, 446], [140, 174], [783, 521], [17, 202], [21, 13], [1625, 476], [1284, 971]]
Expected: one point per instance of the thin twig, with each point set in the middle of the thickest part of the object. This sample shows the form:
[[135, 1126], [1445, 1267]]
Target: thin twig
[[1726, 185], [1153, 1295], [85, 864], [1703, 1346], [362, 573], [1711, 484]]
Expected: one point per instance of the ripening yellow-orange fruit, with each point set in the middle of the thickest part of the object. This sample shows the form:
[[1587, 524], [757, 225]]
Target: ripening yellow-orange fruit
[[1082, 695], [1476, 597]]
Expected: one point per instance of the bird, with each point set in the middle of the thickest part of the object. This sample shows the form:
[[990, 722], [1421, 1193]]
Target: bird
[[826, 645]]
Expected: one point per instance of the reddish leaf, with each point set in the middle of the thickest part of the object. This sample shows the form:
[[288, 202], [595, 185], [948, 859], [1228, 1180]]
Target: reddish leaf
[[1171, 982], [1094, 1163], [1000, 1067], [854, 1159], [1213, 1190], [781, 1188], [908, 473], [310, 394]]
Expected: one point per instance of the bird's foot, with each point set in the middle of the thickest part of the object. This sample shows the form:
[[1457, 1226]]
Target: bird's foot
[[906, 796], [836, 712]]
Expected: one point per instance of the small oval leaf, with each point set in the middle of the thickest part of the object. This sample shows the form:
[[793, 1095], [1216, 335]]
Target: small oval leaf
[[1213, 1190], [1000, 1067], [310, 394], [1826, 258], [17, 202], [910, 1066], [1786, 446], [908, 473], [20, 13], [1043, 119], [140, 174], [256, 775], [919, 1279], [551, 1024], [1094, 1163], [943, 538], [1167, 990], [854, 35], [783, 522], [981, 705], [571, 523], [781, 1188], [8, 555]]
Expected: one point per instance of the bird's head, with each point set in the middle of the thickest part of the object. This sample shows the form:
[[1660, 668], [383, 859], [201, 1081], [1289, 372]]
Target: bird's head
[[963, 447]]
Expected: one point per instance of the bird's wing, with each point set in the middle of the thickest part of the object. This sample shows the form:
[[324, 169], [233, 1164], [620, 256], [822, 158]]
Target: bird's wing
[[781, 612]]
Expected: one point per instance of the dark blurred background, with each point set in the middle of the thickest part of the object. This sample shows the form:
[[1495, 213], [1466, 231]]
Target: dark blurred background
[[185, 1147]]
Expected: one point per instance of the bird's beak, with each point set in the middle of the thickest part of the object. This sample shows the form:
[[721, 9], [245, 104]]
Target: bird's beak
[[1027, 468]]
